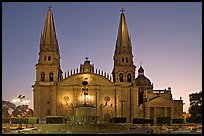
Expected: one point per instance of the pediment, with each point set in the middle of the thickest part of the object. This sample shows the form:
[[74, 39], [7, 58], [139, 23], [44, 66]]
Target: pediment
[[159, 99], [93, 79]]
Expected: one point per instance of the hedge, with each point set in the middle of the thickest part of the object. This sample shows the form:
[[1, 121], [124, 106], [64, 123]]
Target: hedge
[[149, 121], [55, 120], [138, 121], [143, 121], [163, 120], [32, 120], [178, 121], [194, 119], [118, 120], [16, 120], [5, 120]]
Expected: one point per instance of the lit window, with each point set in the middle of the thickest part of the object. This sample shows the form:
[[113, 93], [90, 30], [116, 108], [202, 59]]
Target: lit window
[[121, 77], [42, 76], [51, 77], [129, 77]]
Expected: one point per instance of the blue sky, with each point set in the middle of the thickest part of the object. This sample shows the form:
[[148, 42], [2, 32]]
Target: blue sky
[[166, 37]]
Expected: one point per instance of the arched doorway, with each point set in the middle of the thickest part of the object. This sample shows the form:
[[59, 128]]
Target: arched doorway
[[107, 117]]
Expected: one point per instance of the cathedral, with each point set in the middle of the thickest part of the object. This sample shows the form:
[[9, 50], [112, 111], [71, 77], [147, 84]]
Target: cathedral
[[124, 93]]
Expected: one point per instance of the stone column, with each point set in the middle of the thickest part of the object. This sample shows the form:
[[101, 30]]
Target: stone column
[[172, 112], [53, 101], [165, 112], [155, 116], [147, 111]]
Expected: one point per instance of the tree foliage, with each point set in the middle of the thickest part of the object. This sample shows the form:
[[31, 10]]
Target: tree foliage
[[17, 111], [6, 105], [195, 104]]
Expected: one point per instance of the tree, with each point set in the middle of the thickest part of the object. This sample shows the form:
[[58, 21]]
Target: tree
[[195, 104], [20, 110], [6, 105]]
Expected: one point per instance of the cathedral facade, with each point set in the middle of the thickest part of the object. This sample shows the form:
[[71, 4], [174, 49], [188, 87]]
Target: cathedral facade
[[119, 94]]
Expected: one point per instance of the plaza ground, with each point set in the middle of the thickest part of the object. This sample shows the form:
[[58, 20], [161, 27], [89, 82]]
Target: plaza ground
[[108, 128]]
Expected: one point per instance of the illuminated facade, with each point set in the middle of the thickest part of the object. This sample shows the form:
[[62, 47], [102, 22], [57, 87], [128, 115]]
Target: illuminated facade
[[119, 94]]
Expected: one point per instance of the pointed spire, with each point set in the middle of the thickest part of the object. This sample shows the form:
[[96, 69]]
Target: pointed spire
[[141, 70], [49, 35], [123, 39]]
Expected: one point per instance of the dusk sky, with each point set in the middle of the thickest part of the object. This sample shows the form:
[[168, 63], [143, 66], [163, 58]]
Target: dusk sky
[[166, 38]]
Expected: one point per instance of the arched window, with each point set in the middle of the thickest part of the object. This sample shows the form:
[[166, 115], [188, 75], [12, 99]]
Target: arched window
[[129, 77], [127, 60], [49, 58], [42, 76], [121, 77], [51, 77], [122, 59]]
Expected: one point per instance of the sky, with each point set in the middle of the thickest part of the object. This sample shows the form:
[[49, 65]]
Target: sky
[[166, 38]]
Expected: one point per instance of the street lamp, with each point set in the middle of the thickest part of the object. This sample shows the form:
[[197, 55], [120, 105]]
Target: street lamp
[[21, 99]]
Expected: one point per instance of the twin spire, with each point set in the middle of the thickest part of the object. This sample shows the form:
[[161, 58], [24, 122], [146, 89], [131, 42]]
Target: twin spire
[[48, 39]]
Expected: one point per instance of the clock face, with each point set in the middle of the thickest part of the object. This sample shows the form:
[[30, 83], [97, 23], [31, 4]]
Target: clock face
[[107, 98], [66, 98]]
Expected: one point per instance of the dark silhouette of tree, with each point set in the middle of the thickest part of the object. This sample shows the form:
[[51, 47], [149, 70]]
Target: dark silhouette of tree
[[20, 111], [195, 104], [6, 105]]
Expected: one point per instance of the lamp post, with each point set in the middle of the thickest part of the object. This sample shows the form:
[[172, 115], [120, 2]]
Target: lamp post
[[21, 100]]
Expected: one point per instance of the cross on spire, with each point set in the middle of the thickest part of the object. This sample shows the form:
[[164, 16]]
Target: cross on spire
[[140, 63], [49, 7], [122, 10], [86, 58]]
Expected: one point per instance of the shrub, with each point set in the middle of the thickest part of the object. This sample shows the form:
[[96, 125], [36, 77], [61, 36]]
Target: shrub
[[55, 120], [194, 119], [15, 120], [138, 121], [163, 120], [23, 120], [32, 121], [118, 120], [178, 121], [5, 120], [149, 121]]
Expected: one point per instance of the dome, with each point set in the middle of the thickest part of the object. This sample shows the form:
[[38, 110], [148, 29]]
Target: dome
[[141, 80], [141, 70]]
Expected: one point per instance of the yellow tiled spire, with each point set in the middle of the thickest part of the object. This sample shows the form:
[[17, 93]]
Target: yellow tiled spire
[[49, 39], [123, 43]]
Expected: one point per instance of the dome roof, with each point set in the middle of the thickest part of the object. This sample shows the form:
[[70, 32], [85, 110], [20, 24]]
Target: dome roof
[[141, 80], [141, 70]]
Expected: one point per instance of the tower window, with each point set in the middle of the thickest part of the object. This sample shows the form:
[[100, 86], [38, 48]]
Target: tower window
[[129, 77], [127, 60], [122, 59], [42, 76], [121, 77], [49, 58], [51, 77], [45, 58]]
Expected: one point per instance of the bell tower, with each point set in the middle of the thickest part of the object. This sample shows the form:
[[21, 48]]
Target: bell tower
[[124, 69], [48, 66]]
